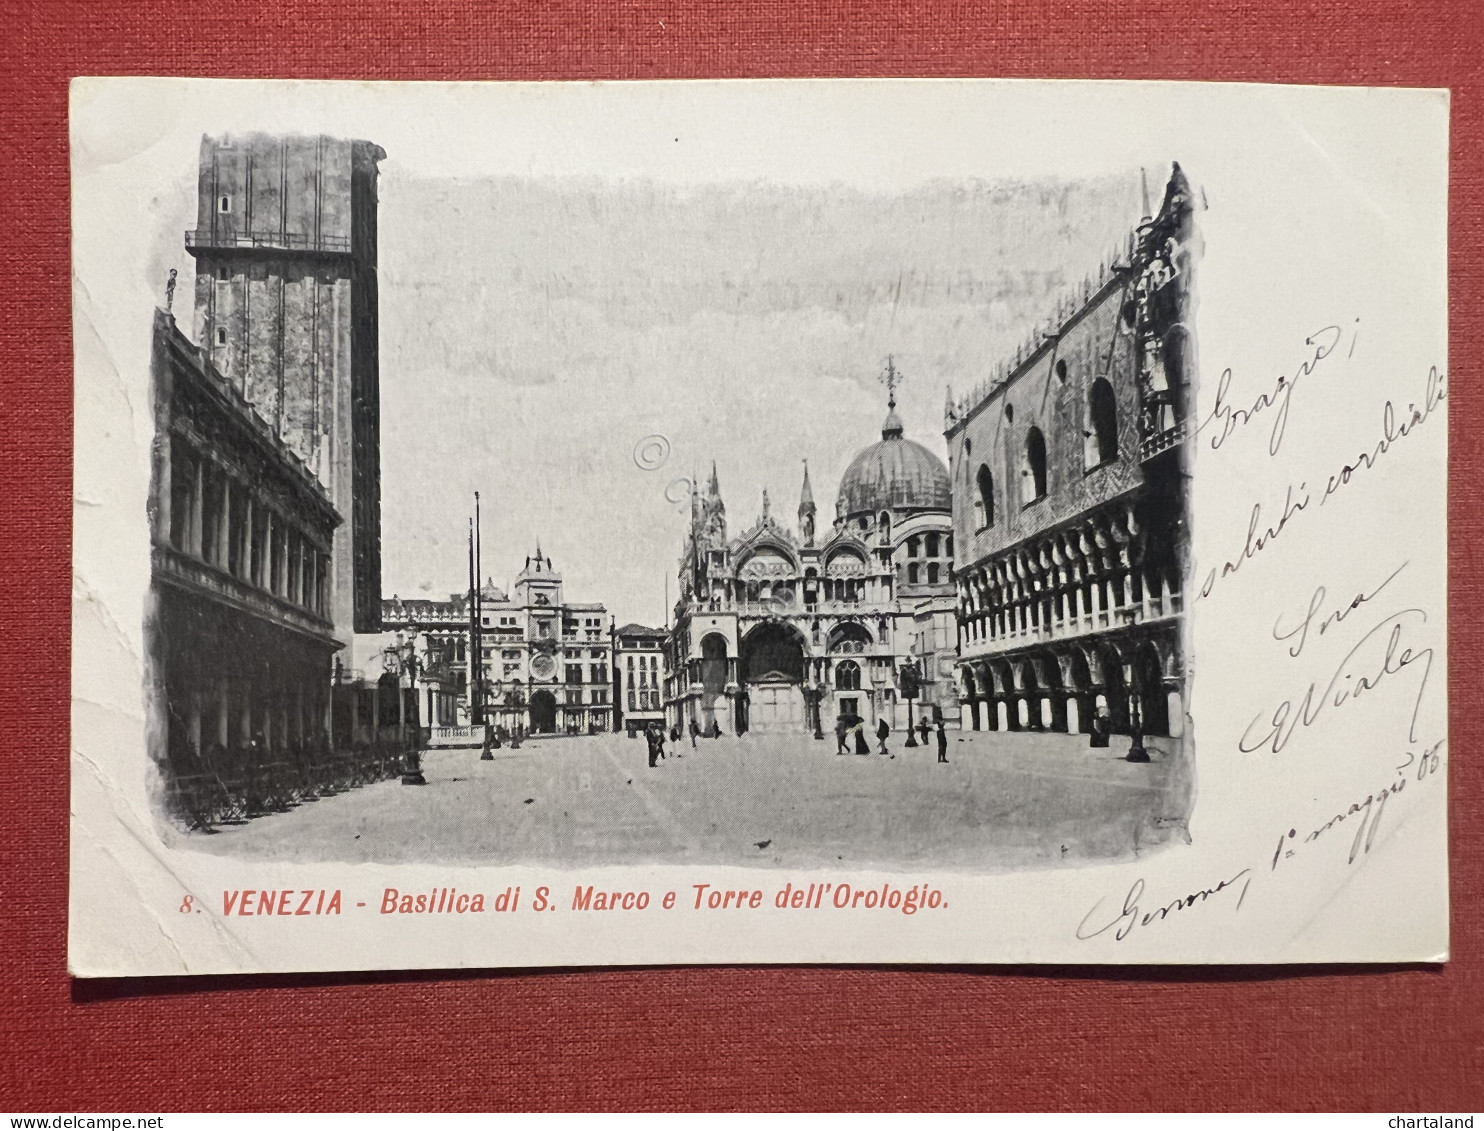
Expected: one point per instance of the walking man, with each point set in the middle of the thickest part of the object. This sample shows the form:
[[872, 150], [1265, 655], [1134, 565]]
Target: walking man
[[942, 739], [883, 732], [695, 732], [653, 748], [841, 730]]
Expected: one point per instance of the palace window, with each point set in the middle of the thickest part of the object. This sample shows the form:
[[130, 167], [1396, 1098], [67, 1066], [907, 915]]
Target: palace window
[[913, 573], [984, 502], [932, 573], [1101, 435], [1035, 463], [932, 545], [913, 545]]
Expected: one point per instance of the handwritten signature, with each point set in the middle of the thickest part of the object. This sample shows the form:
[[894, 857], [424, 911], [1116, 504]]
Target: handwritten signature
[[1132, 916], [1323, 343], [1347, 685], [1316, 603]]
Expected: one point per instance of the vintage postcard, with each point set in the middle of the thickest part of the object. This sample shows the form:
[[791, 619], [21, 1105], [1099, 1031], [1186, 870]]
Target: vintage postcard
[[757, 522]]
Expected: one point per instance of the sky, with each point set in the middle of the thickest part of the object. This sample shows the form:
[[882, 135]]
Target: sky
[[537, 333]]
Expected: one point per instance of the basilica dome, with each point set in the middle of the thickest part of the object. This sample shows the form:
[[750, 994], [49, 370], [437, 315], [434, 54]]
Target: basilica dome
[[894, 474]]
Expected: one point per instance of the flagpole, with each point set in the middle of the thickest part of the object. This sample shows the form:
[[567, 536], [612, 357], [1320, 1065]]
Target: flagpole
[[479, 604], [473, 634]]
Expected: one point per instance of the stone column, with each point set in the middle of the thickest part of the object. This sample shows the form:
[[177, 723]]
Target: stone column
[[197, 502], [224, 526]]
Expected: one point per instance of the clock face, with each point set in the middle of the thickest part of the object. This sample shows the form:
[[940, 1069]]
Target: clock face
[[542, 666]]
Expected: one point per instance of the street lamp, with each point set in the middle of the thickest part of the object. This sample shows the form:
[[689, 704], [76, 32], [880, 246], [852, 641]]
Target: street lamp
[[911, 684], [815, 691], [401, 658], [486, 752]]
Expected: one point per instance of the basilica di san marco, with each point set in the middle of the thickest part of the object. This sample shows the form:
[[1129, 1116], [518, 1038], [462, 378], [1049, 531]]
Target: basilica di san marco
[[811, 629]]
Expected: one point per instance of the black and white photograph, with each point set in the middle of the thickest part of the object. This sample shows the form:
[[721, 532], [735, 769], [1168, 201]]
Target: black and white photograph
[[782, 500]]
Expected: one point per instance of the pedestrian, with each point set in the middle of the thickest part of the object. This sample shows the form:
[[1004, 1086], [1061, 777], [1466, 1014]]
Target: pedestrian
[[922, 728], [653, 748], [659, 740], [715, 728], [883, 732], [840, 731], [1102, 724], [695, 733], [862, 745], [942, 741], [485, 747]]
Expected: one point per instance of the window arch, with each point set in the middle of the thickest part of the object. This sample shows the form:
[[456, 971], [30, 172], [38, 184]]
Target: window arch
[[847, 676], [984, 504], [1102, 424], [1035, 462]]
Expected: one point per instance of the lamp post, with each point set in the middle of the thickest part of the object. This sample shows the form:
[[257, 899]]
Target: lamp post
[[815, 692], [401, 658], [486, 751], [1137, 751], [911, 684]]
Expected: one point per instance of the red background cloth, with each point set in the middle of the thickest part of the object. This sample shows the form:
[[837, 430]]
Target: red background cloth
[[1393, 1039]]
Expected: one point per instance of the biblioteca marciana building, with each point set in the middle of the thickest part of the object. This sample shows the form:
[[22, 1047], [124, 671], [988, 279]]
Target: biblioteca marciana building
[[542, 666], [1070, 503], [265, 497], [790, 630]]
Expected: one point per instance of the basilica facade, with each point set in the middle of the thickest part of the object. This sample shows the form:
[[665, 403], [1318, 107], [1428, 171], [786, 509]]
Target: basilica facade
[[790, 629]]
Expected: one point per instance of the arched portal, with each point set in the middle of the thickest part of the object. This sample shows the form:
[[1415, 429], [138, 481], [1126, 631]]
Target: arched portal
[[1149, 691], [543, 712], [849, 637], [772, 671], [1080, 702], [713, 679]]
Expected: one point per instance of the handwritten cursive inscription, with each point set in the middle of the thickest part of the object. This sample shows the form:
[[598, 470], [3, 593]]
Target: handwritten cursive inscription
[[1259, 539], [1132, 916], [1298, 500], [1230, 418], [1392, 430], [1361, 671], [1367, 811], [1316, 604]]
